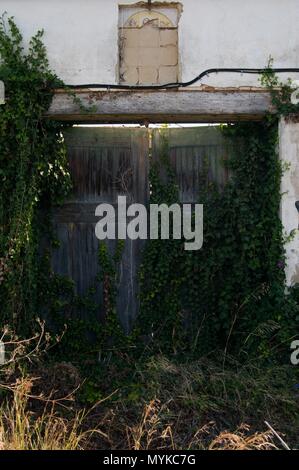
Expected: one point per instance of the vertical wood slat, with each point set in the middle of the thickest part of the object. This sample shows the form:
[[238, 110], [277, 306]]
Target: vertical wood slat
[[189, 149], [104, 163]]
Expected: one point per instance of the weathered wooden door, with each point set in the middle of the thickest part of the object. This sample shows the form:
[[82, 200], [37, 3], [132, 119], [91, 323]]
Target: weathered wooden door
[[195, 153], [104, 163]]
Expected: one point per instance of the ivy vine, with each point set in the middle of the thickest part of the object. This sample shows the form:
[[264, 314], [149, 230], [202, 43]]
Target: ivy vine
[[225, 296], [33, 170], [231, 293]]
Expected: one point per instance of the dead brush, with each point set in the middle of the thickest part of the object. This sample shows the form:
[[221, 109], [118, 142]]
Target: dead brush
[[240, 440], [46, 428], [149, 433], [142, 434], [22, 429]]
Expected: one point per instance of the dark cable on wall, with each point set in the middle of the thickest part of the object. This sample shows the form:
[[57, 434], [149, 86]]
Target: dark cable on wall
[[185, 84]]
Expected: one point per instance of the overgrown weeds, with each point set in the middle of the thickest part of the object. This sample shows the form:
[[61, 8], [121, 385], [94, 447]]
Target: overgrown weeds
[[169, 404], [21, 429]]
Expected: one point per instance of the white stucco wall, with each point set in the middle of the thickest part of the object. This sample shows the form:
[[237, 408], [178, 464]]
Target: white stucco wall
[[82, 36], [289, 155]]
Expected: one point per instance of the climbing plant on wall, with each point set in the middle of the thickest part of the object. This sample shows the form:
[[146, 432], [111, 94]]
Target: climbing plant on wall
[[34, 177], [232, 289], [222, 296], [33, 170]]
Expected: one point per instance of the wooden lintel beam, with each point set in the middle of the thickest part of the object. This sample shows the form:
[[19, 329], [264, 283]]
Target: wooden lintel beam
[[161, 105]]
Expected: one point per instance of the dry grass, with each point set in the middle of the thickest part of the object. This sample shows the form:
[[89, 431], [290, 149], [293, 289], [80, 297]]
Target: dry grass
[[23, 429], [240, 440], [148, 434], [167, 405]]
